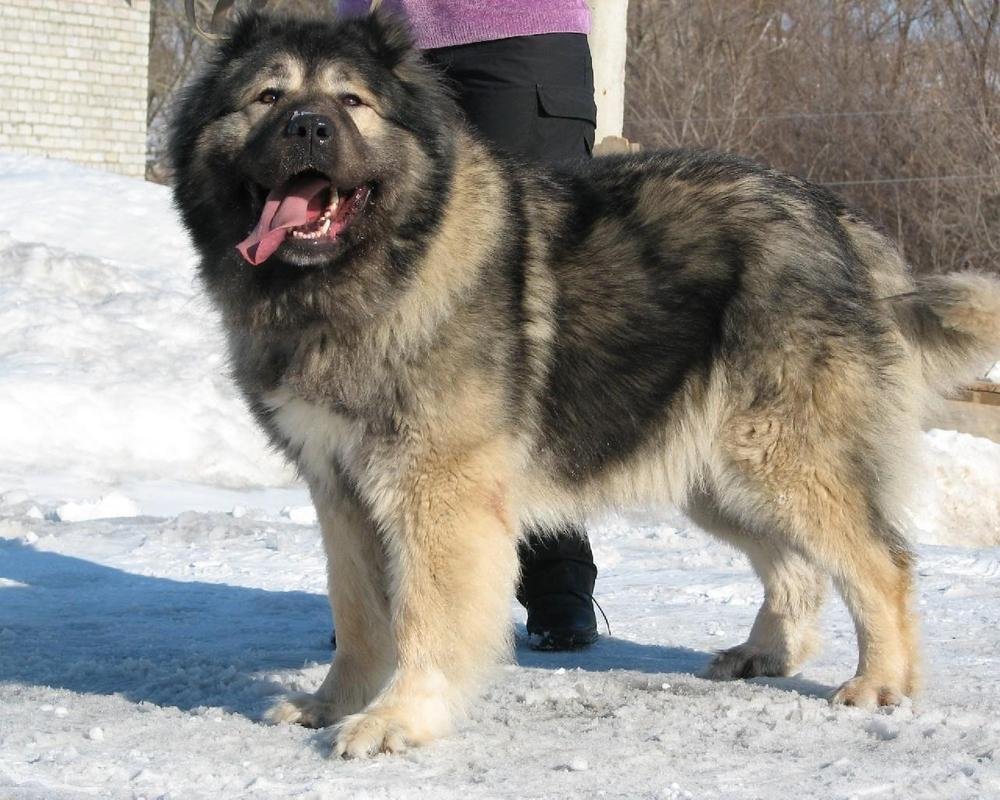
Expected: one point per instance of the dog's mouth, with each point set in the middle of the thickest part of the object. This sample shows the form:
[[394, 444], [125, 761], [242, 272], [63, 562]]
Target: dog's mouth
[[309, 210]]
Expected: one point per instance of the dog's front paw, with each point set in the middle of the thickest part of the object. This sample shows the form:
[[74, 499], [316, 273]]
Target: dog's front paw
[[391, 727], [372, 732], [866, 692], [746, 661], [308, 710]]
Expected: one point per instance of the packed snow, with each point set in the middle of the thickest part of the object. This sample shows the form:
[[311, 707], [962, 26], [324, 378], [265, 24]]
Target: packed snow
[[162, 583]]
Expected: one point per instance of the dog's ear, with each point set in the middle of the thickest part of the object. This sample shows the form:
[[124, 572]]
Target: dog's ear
[[245, 31], [389, 37]]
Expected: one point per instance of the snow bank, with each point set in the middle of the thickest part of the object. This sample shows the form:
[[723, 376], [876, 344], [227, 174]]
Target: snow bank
[[957, 497], [111, 365], [110, 506]]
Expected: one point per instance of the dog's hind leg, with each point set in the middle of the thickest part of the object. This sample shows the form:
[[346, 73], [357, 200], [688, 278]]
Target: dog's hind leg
[[823, 496], [358, 590], [453, 567], [784, 633], [877, 587]]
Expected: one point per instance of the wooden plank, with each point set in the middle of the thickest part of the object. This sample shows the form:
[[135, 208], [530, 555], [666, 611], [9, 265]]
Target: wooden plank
[[983, 392], [979, 419]]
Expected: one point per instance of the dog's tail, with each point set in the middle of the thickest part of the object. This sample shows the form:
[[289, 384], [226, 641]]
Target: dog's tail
[[953, 321]]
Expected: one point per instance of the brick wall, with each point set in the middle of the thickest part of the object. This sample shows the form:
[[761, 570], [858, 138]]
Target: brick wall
[[73, 75]]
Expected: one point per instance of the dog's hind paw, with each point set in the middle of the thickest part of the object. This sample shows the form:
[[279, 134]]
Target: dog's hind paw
[[308, 710], [867, 693], [745, 661]]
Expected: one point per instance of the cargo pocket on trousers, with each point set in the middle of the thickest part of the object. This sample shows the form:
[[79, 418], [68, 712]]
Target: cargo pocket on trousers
[[567, 121]]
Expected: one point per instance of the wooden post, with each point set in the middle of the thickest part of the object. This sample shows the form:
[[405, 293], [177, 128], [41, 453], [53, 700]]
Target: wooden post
[[608, 37]]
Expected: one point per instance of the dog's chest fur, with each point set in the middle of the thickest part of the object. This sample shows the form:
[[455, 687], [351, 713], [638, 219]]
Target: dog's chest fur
[[315, 437]]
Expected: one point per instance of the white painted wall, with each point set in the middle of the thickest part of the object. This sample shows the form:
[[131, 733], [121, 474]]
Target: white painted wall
[[74, 76], [608, 37]]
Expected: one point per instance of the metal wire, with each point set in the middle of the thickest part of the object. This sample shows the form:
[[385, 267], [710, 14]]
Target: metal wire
[[888, 112], [916, 179]]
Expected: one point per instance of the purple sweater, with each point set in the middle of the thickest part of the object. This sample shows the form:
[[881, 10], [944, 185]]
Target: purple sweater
[[442, 23]]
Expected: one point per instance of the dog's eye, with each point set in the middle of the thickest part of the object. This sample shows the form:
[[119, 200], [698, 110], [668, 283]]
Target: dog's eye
[[351, 100], [268, 97]]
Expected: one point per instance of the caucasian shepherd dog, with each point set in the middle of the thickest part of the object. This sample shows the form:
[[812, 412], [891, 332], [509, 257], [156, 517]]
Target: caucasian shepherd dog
[[449, 344]]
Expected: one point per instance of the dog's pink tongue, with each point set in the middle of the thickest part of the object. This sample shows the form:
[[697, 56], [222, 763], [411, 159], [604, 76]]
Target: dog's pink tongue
[[295, 203]]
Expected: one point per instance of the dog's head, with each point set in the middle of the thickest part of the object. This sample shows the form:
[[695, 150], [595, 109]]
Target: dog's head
[[305, 141]]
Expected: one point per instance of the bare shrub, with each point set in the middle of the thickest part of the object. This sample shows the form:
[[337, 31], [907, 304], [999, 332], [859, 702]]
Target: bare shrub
[[893, 104]]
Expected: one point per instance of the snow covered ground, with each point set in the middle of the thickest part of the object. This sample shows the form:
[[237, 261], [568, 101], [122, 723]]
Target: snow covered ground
[[161, 582]]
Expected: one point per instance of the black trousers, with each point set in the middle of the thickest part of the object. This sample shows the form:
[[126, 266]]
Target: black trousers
[[533, 96]]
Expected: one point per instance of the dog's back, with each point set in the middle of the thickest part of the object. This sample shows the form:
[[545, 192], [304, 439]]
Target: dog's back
[[740, 342]]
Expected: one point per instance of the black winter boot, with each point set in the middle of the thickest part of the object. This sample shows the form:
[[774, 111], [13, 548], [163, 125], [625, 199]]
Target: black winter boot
[[557, 589]]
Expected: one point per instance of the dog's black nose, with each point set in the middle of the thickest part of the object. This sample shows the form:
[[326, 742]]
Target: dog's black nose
[[314, 128]]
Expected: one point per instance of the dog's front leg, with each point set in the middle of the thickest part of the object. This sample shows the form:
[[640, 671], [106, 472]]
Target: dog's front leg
[[358, 587], [452, 569]]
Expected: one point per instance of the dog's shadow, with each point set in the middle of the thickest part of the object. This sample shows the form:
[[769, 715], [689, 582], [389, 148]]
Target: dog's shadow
[[73, 624], [609, 653]]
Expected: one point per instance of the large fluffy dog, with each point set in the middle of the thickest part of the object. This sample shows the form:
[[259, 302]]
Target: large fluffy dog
[[449, 344]]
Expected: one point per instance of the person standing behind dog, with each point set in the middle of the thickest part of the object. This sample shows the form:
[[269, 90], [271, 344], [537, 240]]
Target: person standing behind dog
[[524, 78]]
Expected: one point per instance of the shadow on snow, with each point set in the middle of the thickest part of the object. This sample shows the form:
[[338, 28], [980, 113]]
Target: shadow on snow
[[73, 624], [89, 628]]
